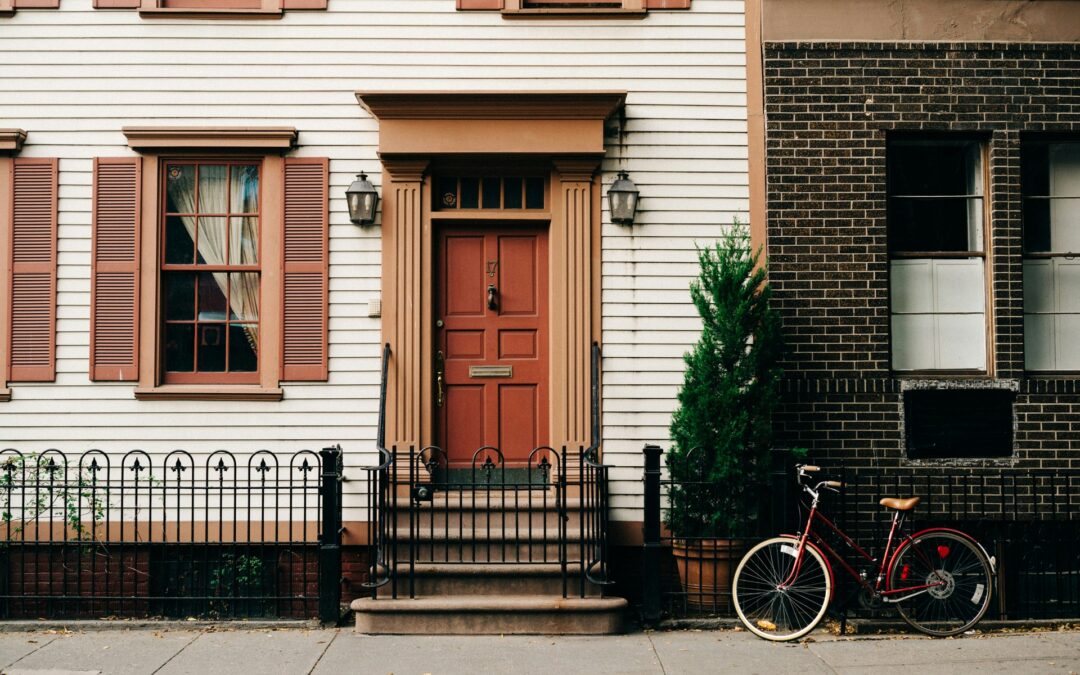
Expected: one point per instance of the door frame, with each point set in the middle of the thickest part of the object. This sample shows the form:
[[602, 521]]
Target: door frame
[[448, 226], [563, 133]]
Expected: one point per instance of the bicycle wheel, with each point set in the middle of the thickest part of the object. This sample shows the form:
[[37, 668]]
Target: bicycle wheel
[[961, 570], [776, 613]]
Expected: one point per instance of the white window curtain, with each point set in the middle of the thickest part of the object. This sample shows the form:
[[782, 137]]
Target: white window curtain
[[938, 314]]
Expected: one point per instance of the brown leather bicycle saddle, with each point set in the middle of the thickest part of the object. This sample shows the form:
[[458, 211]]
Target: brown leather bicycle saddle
[[899, 504]]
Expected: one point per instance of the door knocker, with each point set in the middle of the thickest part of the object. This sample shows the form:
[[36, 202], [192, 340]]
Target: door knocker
[[492, 295]]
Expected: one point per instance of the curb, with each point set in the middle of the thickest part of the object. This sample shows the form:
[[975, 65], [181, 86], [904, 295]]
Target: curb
[[149, 624]]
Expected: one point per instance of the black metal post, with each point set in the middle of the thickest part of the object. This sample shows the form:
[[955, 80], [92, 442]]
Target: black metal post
[[650, 572], [330, 541]]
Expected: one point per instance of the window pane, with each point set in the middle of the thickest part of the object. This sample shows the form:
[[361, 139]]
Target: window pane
[[179, 244], [1035, 169], [446, 192], [935, 224], [179, 347], [1037, 225], [211, 241], [244, 192], [244, 296], [934, 196], [243, 241], [212, 348], [512, 200], [180, 188], [212, 289], [243, 348], [534, 192], [492, 193], [180, 296], [470, 193], [212, 195], [934, 168], [1051, 186]]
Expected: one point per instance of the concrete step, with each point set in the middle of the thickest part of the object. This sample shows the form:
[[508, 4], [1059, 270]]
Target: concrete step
[[432, 579], [482, 545], [490, 615], [481, 519]]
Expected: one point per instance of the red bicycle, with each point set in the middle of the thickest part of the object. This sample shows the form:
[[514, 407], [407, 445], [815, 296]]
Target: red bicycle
[[939, 579]]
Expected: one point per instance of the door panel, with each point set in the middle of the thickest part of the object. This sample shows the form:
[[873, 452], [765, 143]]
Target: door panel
[[518, 416], [505, 327]]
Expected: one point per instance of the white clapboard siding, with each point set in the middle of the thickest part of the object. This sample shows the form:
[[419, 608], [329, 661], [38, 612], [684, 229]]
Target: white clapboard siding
[[74, 77]]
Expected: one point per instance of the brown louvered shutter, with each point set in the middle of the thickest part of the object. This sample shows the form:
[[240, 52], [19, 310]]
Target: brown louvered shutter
[[33, 271], [307, 269], [114, 286]]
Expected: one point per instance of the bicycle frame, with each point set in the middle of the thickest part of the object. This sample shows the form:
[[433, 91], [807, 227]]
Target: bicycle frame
[[880, 587]]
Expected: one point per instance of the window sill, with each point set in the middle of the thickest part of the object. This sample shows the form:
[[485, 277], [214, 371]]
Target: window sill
[[570, 12], [189, 13], [208, 393]]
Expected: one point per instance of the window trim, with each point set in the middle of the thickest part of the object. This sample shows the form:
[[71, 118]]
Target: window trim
[[511, 9], [158, 145], [985, 253], [196, 377]]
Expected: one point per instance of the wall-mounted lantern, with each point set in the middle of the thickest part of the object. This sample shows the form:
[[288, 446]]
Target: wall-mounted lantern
[[363, 200], [623, 199]]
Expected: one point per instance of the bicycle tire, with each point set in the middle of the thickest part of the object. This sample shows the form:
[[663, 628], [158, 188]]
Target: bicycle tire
[[781, 614], [940, 555]]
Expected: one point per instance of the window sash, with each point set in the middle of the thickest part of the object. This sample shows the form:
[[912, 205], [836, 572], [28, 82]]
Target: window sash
[[221, 271], [938, 314]]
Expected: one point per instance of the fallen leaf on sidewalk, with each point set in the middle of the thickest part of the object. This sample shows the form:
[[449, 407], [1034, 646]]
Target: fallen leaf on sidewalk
[[765, 624]]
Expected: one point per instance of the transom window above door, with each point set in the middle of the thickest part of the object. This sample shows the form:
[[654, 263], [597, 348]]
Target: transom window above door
[[210, 275], [489, 193]]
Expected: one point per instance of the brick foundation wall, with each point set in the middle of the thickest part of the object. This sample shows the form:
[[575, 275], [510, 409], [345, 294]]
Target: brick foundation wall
[[829, 108]]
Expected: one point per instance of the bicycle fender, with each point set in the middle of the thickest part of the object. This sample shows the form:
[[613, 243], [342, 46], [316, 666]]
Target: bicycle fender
[[828, 563], [907, 541]]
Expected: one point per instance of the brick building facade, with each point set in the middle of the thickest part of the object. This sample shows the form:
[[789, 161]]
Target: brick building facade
[[834, 111]]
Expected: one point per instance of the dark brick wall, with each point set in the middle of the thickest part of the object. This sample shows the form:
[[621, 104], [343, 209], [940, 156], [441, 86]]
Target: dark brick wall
[[829, 108]]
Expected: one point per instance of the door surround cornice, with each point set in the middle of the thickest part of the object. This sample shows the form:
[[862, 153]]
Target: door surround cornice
[[562, 129]]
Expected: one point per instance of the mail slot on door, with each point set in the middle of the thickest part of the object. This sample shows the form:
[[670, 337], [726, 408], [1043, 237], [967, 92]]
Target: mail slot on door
[[491, 371]]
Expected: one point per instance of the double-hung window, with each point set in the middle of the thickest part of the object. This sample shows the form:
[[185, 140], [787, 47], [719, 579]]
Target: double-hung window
[[210, 271], [1050, 184], [937, 260], [210, 264]]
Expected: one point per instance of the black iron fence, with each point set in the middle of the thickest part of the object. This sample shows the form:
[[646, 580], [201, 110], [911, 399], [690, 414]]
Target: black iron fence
[[101, 535], [1029, 520]]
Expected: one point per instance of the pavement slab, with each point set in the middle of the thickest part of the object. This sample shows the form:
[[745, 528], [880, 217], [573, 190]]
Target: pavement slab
[[18, 645], [243, 651], [925, 653], [110, 652], [470, 655], [732, 652]]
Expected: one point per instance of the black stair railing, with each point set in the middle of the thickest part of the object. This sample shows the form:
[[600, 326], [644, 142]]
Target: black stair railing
[[551, 509], [378, 484]]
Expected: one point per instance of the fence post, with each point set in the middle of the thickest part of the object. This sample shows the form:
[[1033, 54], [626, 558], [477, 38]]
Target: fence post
[[650, 589], [330, 541]]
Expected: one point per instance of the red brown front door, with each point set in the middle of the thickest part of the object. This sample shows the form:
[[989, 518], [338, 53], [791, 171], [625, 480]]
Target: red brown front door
[[492, 341]]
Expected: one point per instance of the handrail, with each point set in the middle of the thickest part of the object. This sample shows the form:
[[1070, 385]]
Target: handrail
[[591, 459], [386, 458], [594, 391], [378, 479]]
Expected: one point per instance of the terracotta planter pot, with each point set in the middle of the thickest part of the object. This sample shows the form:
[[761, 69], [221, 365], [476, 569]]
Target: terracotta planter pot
[[706, 567]]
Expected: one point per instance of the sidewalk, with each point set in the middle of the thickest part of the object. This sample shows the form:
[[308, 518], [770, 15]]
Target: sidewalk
[[258, 652]]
